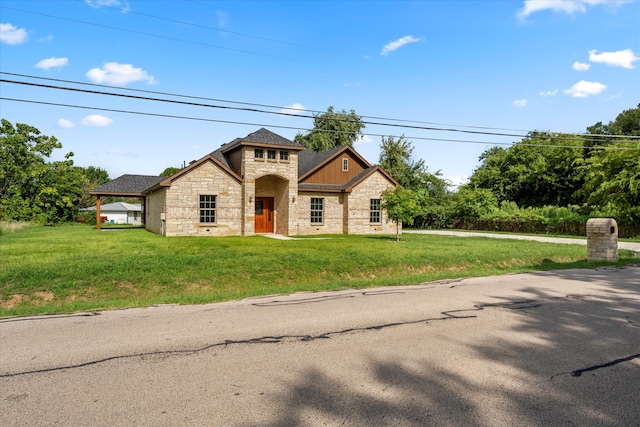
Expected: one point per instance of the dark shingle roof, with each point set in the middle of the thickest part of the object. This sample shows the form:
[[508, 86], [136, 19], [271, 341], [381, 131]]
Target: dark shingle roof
[[129, 184], [264, 136], [261, 137], [308, 159]]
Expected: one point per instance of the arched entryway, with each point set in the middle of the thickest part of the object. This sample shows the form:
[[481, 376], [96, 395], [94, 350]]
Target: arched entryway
[[271, 205]]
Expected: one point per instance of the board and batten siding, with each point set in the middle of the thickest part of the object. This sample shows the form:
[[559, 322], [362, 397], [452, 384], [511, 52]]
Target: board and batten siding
[[332, 173]]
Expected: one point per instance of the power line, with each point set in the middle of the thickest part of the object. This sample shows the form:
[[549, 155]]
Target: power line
[[247, 103], [110, 27], [282, 110], [172, 116], [206, 27]]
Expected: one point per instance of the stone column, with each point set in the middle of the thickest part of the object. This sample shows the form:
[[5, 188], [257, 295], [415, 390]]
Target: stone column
[[602, 239]]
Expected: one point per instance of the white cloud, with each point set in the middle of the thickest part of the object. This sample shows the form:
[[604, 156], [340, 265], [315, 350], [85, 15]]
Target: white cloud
[[581, 66], [117, 4], [583, 89], [548, 93], [397, 44], [622, 58], [364, 139], [96, 120], [520, 103], [52, 62], [11, 34], [567, 6], [294, 109], [65, 124], [116, 74]]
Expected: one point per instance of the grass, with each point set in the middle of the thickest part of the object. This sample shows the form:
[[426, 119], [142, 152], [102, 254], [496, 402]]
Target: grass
[[74, 267]]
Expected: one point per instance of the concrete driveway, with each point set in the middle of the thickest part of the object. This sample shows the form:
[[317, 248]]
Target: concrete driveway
[[551, 348]]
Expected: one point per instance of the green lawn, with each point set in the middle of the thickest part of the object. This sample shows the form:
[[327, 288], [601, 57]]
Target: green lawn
[[74, 267]]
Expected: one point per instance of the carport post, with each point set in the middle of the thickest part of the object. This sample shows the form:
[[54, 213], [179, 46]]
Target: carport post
[[98, 213]]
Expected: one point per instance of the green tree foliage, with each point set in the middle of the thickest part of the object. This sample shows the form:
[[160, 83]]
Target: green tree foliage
[[612, 180], [626, 123], [472, 202], [332, 129], [430, 190], [22, 157], [402, 205], [542, 169], [32, 188], [170, 171], [395, 158], [92, 177]]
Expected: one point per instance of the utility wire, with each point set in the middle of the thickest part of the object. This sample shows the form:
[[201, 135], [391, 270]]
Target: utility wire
[[110, 27], [283, 109], [254, 110], [172, 116], [305, 110], [206, 27]]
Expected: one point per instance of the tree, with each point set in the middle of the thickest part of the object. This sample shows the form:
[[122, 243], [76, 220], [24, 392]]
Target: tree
[[332, 129], [22, 163], [92, 177], [542, 169], [395, 158], [626, 123], [402, 206], [612, 180], [170, 171], [30, 187], [60, 189]]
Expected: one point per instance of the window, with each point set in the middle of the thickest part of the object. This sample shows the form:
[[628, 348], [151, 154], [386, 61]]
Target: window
[[258, 153], [271, 154], [207, 209], [345, 165], [374, 211], [317, 209], [284, 155]]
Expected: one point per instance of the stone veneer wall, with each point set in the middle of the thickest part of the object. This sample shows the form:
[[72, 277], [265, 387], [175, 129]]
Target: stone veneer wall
[[333, 214], [154, 207], [359, 202], [269, 178], [183, 203]]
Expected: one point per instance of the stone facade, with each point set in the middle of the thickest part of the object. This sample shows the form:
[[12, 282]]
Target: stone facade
[[260, 169], [182, 203], [359, 201], [275, 178]]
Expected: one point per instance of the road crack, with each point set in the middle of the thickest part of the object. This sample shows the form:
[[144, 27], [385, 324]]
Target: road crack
[[276, 339]]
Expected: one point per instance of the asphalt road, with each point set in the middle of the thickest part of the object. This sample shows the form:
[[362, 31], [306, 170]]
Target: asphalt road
[[551, 348]]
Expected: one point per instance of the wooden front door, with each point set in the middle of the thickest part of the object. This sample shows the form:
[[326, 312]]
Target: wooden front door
[[264, 215]]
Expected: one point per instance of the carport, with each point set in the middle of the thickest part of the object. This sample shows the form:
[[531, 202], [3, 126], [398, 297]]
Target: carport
[[126, 186]]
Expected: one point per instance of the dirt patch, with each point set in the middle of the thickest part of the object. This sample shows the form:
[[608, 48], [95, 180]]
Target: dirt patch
[[13, 301]]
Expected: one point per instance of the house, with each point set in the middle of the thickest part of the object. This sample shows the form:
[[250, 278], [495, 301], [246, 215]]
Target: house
[[263, 183], [120, 212]]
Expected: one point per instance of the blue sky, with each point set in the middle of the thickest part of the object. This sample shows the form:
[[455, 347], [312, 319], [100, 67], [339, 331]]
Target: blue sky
[[504, 67]]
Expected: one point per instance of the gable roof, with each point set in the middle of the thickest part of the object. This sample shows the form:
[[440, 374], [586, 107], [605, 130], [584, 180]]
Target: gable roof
[[260, 138], [348, 186], [166, 181], [310, 161], [128, 185]]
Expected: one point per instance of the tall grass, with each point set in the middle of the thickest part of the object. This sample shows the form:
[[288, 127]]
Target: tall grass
[[75, 267], [7, 227]]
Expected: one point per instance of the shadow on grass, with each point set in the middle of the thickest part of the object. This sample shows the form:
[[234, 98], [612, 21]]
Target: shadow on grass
[[559, 360]]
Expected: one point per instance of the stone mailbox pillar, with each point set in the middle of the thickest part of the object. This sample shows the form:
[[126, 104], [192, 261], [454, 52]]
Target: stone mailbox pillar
[[602, 239]]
